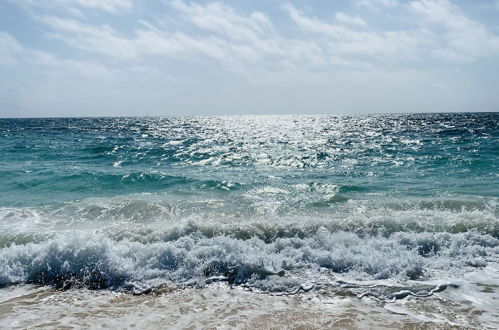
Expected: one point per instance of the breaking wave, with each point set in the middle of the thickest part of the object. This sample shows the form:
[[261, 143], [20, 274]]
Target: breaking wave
[[281, 254]]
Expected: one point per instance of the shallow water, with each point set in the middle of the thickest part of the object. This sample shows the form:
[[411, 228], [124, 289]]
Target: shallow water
[[379, 212], [470, 305]]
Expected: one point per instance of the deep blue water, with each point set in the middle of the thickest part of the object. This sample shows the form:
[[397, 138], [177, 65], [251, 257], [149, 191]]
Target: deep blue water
[[179, 199]]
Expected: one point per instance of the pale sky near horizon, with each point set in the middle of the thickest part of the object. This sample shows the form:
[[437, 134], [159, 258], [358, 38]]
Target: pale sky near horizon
[[144, 57]]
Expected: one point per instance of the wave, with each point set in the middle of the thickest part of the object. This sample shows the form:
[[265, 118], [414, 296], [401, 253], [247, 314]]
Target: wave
[[98, 261], [49, 186], [152, 217], [84, 181], [146, 241]]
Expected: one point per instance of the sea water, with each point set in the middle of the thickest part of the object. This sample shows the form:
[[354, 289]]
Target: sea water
[[263, 217]]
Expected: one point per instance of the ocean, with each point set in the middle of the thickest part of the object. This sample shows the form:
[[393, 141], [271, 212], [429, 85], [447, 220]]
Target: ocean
[[309, 221]]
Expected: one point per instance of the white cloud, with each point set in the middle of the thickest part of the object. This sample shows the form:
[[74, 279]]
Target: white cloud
[[32, 78], [100, 39], [461, 39], [347, 19], [350, 41], [345, 56], [112, 6], [107, 5], [13, 53], [376, 4], [223, 19], [248, 42], [241, 43], [9, 50]]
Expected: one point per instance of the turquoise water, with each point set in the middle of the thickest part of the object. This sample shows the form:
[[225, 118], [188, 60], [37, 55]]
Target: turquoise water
[[274, 203]]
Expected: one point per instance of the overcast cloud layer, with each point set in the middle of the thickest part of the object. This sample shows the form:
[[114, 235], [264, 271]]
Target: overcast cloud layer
[[140, 57]]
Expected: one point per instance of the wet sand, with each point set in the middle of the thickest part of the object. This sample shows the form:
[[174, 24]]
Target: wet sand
[[219, 306]]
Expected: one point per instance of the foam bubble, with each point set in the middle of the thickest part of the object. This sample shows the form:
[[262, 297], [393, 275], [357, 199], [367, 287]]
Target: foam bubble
[[99, 261]]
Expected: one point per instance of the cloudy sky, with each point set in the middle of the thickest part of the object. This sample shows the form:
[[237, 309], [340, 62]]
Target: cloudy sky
[[145, 57]]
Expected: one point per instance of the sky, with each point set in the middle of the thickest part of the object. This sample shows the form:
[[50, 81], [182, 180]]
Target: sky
[[67, 58]]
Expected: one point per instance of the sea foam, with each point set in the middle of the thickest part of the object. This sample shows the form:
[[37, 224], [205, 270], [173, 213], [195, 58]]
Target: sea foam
[[95, 259]]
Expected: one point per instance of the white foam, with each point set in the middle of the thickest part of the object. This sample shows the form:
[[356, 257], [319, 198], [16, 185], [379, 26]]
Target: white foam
[[148, 239], [88, 257]]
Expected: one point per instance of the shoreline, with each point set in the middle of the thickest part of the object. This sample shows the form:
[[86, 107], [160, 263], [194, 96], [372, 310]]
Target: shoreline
[[469, 305]]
